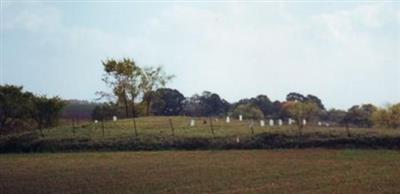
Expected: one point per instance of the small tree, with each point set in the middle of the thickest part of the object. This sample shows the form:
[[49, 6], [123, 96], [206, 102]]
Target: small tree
[[46, 111], [151, 80], [15, 105], [387, 117], [301, 110], [248, 111]]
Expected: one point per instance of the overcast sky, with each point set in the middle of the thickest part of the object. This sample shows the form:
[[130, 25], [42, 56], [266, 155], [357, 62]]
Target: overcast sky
[[344, 53]]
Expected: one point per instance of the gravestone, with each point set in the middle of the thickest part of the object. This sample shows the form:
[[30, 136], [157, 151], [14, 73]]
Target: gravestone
[[304, 122], [290, 121], [262, 123], [240, 118], [96, 121], [192, 123], [280, 122], [115, 118], [319, 123], [228, 119], [271, 122]]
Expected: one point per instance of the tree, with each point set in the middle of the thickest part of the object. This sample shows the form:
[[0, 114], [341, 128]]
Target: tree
[[316, 100], [151, 80], [387, 117], [15, 105], [167, 102], [301, 110], [46, 111], [249, 111], [360, 116], [122, 76], [293, 96], [104, 112]]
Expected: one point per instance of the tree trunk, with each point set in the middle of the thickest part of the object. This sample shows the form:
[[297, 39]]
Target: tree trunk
[[126, 105]]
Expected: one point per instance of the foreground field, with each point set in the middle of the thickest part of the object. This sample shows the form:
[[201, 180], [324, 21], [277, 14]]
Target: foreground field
[[278, 171]]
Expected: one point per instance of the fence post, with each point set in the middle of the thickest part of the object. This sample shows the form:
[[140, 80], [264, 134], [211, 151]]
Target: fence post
[[252, 127], [102, 126], [172, 127], [211, 127], [134, 126]]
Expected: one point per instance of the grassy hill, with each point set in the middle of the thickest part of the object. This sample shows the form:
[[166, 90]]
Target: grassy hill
[[161, 133]]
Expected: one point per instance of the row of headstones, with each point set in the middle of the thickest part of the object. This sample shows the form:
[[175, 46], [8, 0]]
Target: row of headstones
[[115, 118], [262, 122]]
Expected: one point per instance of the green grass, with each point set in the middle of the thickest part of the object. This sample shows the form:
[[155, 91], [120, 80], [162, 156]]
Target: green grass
[[160, 127], [252, 171]]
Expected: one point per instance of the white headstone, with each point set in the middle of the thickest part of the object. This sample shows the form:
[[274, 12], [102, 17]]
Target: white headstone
[[237, 140], [304, 122], [240, 118], [192, 123], [280, 122], [115, 118], [271, 122], [262, 123], [319, 123], [96, 121], [327, 124], [290, 121], [228, 119]]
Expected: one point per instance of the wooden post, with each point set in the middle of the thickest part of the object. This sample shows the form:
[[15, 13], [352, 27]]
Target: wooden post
[[102, 125], [134, 126], [252, 127], [211, 127], [171, 126]]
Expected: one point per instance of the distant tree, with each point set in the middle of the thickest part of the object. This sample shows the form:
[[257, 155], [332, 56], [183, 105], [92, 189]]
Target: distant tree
[[316, 100], [15, 105], [301, 110], [207, 104], [388, 117], [167, 102], [249, 111], [261, 101], [360, 116], [192, 106], [336, 116], [293, 96], [152, 79], [46, 111], [105, 111]]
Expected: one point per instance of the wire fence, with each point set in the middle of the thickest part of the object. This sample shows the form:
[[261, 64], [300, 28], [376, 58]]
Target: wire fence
[[200, 127]]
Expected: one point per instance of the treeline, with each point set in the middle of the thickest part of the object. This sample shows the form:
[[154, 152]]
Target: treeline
[[23, 110], [141, 91]]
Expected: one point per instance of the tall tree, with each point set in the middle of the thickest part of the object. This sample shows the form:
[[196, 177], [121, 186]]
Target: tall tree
[[120, 75], [152, 79]]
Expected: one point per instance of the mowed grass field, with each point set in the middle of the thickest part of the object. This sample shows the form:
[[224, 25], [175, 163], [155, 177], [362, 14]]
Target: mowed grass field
[[161, 127], [251, 171]]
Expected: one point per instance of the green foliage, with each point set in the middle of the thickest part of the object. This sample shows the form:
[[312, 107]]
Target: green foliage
[[248, 111], [387, 117], [15, 106], [123, 77], [302, 110], [46, 111], [167, 102], [360, 116], [152, 79]]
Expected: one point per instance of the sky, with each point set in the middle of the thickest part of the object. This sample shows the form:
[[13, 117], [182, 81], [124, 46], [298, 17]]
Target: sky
[[344, 52]]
